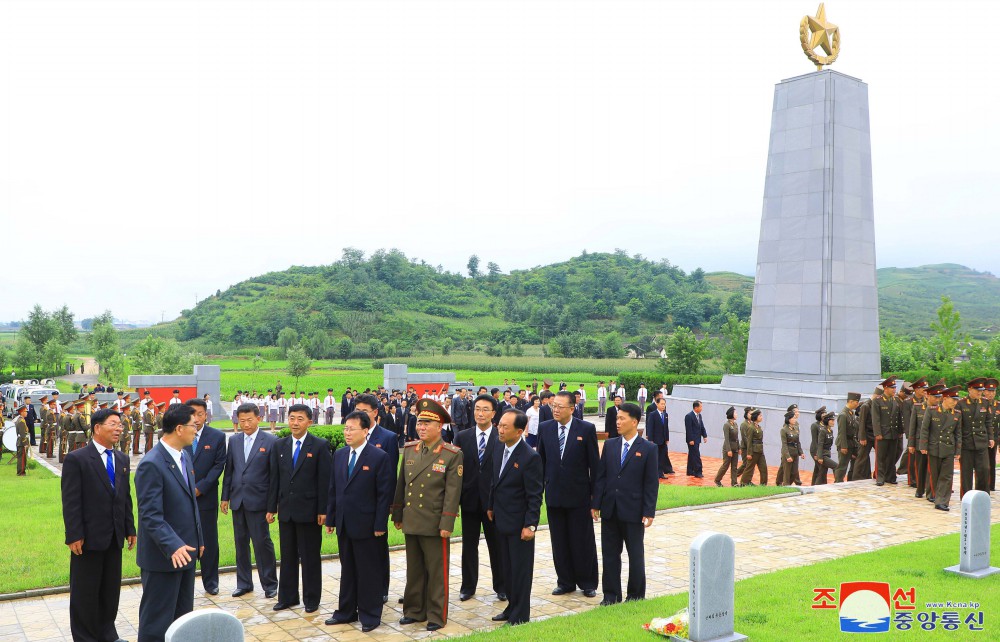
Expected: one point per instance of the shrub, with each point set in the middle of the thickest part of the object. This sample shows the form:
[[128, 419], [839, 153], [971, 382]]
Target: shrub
[[333, 434]]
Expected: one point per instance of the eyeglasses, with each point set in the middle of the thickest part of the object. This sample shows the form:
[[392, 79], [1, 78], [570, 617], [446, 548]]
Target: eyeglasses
[[349, 429], [560, 406]]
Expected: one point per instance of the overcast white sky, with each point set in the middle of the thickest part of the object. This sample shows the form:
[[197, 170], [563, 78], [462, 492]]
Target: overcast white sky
[[152, 152]]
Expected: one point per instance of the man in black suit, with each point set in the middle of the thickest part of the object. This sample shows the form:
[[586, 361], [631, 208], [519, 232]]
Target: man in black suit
[[514, 506], [695, 434], [300, 480], [477, 452], [658, 432], [362, 483], [625, 502], [568, 447], [169, 530], [208, 456], [611, 418], [97, 514], [384, 440], [459, 411], [407, 422], [245, 487], [30, 418], [545, 410]]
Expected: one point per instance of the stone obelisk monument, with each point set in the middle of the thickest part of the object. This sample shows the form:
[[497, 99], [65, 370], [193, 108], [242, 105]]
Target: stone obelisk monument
[[814, 325]]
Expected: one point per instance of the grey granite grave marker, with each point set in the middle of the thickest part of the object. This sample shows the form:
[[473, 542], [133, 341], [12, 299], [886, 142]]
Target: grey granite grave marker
[[206, 624], [711, 596], [974, 546]]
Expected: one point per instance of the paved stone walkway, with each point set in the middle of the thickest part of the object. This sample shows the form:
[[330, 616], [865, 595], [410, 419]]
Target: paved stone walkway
[[769, 534]]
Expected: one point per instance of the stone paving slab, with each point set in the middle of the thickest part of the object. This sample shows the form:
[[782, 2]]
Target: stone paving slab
[[770, 535]]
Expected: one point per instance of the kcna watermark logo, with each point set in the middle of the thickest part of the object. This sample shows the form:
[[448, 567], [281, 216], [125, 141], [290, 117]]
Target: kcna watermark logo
[[873, 607]]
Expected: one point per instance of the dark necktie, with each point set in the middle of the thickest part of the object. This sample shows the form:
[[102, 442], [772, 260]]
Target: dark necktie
[[184, 468], [350, 464], [624, 452], [111, 466], [482, 446], [295, 455], [562, 440]]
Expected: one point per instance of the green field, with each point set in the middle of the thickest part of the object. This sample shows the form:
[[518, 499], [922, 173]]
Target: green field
[[42, 558], [777, 607]]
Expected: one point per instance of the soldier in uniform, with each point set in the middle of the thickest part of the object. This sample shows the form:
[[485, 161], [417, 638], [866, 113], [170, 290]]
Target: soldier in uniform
[[135, 419], [744, 430], [780, 479], [49, 429], [923, 401], [885, 415], [941, 441], [730, 448], [428, 492], [125, 438], [904, 398], [847, 439], [150, 419], [80, 423], [989, 394], [977, 438], [823, 447], [813, 433], [43, 416], [791, 450], [23, 443], [866, 438], [914, 399], [755, 451], [65, 425]]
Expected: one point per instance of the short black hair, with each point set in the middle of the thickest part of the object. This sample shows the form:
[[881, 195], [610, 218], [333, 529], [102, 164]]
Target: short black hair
[[246, 409], [696, 404], [176, 415], [632, 410], [197, 402], [301, 407], [362, 416], [100, 416], [488, 399], [569, 396], [520, 419], [546, 394], [369, 400]]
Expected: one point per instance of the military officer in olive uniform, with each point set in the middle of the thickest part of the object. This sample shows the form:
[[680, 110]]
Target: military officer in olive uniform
[[887, 424], [65, 425], [866, 438], [989, 394], [847, 439], [755, 451], [730, 448], [791, 450], [744, 430], [135, 418], [823, 447], [22, 440], [428, 492], [977, 439], [911, 404], [780, 478], [922, 403], [150, 420], [49, 429], [941, 442], [81, 423], [43, 417], [813, 432]]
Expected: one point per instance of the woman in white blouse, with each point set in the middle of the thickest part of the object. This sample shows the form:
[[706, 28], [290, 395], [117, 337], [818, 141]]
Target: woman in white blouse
[[532, 413]]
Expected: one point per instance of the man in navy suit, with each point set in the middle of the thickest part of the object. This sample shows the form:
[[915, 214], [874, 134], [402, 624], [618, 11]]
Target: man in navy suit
[[568, 448], [658, 432], [362, 484], [625, 502], [245, 488], [208, 455], [514, 506], [300, 481], [387, 441], [695, 434], [169, 528], [477, 452], [97, 513]]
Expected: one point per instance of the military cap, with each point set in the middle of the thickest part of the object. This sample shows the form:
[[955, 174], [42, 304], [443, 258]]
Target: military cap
[[43, 398], [69, 404], [329, 389], [430, 410], [792, 408], [854, 396], [790, 414], [828, 416], [147, 392], [935, 390], [907, 391], [879, 390], [979, 383], [747, 409], [889, 382], [81, 395], [136, 402], [127, 395], [547, 382], [991, 384], [121, 392], [919, 383], [177, 392], [819, 412], [161, 404], [23, 407], [103, 405], [951, 392], [52, 401], [731, 413], [942, 382], [80, 402]]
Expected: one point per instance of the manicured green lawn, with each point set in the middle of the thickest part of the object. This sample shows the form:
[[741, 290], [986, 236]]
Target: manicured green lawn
[[776, 607], [39, 557]]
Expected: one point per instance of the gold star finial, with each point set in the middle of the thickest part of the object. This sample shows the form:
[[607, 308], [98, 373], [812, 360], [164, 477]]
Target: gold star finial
[[816, 33]]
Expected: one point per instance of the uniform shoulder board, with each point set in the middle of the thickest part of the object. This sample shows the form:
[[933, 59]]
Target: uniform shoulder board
[[452, 447], [413, 443]]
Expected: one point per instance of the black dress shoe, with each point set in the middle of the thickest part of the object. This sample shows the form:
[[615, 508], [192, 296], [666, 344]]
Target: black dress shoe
[[880, 483], [335, 620], [502, 597], [434, 626], [399, 601], [940, 507], [311, 609], [240, 592], [719, 484], [560, 590], [385, 599], [607, 602], [281, 606], [270, 594], [368, 628], [409, 620], [919, 495], [500, 617], [464, 597], [930, 499], [699, 477], [212, 591], [590, 593], [892, 482]]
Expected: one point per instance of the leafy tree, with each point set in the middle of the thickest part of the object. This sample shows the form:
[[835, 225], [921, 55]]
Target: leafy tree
[[739, 305], [255, 364], [65, 328], [389, 349], [612, 346], [299, 364], [344, 348], [493, 270], [374, 347], [157, 355], [948, 339], [685, 353], [287, 339], [104, 342], [38, 329], [24, 353], [473, 266], [733, 346], [53, 354], [4, 360], [319, 345], [447, 346], [897, 354]]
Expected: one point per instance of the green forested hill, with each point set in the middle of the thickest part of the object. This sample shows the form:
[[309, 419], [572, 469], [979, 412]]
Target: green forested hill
[[389, 297]]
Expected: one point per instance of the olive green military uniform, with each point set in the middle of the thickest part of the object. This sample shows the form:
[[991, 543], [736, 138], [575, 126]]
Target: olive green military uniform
[[428, 491], [123, 440], [814, 434], [744, 431], [23, 444], [941, 437], [791, 447], [149, 423], [135, 417], [821, 451], [903, 459], [918, 460], [886, 415], [755, 449], [43, 417], [847, 445], [730, 443], [81, 423], [993, 406], [977, 433], [866, 433], [65, 426]]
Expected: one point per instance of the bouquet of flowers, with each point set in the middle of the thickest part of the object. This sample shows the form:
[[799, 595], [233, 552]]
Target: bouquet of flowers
[[675, 627]]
